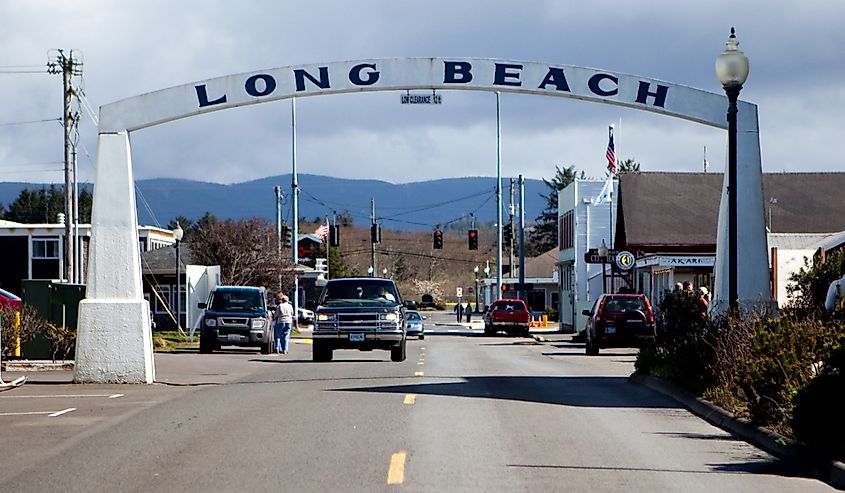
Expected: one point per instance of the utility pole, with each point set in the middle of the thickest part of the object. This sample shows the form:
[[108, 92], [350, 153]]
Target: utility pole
[[68, 67], [278, 191], [522, 294], [372, 237], [510, 222]]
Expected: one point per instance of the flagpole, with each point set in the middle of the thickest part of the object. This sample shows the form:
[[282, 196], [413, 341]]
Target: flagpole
[[610, 137]]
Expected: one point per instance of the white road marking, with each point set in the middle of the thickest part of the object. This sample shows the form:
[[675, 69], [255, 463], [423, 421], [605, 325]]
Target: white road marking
[[31, 413], [58, 396], [63, 411]]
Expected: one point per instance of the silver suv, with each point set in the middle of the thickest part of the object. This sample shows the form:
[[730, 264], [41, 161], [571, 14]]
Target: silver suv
[[236, 316], [359, 313]]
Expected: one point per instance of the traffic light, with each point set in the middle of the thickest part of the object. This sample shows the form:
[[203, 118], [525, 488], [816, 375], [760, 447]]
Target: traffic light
[[438, 239], [375, 233], [285, 235], [504, 287], [507, 233], [334, 235], [472, 237]]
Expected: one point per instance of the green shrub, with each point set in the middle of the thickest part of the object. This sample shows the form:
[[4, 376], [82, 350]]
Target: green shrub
[[820, 408], [30, 325], [808, 287]]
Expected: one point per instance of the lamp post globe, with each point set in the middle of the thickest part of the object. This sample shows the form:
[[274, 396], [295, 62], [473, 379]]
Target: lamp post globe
[[178, 234], [732, 71], [370, 271]]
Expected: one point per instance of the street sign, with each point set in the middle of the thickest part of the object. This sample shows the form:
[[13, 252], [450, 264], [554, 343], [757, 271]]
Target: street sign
[[421, 99], [459, 292], [592, 256], [625, 260]]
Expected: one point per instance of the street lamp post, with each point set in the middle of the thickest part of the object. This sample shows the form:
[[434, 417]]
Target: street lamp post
[[384, 273], [370, 271], [486, 276], [603, 256], [732, 70], [178, 233], [475, 271]]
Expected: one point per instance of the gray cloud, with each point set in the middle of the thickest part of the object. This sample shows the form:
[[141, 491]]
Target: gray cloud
[[797, 70]]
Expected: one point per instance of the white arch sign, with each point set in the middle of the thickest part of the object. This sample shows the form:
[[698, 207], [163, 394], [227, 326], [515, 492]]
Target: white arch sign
[[114, 342]]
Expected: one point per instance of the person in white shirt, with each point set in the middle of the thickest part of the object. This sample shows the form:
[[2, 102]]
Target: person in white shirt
[[282, 323]]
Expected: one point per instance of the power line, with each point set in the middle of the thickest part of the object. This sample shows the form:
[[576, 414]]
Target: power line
[[28, 122]]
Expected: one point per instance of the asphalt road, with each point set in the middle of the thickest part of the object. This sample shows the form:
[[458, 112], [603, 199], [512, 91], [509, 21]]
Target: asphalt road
[[462, 413]]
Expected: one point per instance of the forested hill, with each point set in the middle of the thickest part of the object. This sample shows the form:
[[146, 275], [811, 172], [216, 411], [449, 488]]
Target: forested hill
[[407, 206]]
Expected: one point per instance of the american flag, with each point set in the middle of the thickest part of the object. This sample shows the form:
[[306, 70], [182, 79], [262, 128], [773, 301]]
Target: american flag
[[612, 166], [322, 231]]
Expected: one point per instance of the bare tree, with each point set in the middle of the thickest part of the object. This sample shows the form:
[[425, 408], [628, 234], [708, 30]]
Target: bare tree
[[245, 250]]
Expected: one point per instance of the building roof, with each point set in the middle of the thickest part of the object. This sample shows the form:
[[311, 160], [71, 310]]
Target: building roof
[[543, 265], [678, 211], [163, 260]]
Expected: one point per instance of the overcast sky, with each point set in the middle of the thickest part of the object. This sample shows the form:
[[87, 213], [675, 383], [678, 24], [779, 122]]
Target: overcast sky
[[796, 51]]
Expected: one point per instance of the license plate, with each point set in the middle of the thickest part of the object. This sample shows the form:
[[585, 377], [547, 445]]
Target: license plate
[[610, 330], [356, 337], [234, 338]]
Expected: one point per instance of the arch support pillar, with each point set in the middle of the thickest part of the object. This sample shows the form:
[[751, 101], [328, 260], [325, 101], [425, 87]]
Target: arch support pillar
[[114, 338]]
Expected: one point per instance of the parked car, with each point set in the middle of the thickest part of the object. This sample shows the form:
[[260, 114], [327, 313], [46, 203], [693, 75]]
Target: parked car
[[236, 316], [619, 320], [510, 315], [10, 300], [415, 324], [359, 313], [305, 316]]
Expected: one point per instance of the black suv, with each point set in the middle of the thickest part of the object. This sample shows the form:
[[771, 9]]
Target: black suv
[[359, 313], [236, 316]]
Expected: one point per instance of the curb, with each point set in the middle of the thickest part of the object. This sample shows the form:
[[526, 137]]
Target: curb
[[831, 472], [19, 366], [539, 338]]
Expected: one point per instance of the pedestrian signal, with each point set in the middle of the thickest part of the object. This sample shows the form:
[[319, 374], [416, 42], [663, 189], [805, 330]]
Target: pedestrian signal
[[504, 287], [334, 235], [375, 233]]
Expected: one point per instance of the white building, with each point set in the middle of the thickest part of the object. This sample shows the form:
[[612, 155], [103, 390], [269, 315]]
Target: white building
[[582, 225]]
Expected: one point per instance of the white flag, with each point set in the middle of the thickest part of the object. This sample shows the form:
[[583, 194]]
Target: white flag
[[606, 192]]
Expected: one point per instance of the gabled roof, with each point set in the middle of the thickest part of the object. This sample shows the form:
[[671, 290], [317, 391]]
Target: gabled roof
[[666, 211], [163, 260], [543, 265]]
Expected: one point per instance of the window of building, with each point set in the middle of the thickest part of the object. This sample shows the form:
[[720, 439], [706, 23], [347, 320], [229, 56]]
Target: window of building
[[566, 231], [162, 301], [45, 248]]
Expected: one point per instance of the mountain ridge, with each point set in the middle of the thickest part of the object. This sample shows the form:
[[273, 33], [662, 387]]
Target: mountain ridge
[[411, 206]]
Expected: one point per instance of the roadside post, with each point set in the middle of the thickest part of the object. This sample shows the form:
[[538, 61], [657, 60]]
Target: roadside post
[[16, 382]]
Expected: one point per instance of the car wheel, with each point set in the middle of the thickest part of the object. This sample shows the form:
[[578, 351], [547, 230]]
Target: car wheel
[[488, 330], [206, 344], [592, 347], [422, 336], [267, 347], [321, 352], [397, 353]]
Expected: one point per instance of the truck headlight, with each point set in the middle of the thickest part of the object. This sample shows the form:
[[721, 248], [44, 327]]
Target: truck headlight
[[258, 323], [211, 322], [325, 317], [391, 316]]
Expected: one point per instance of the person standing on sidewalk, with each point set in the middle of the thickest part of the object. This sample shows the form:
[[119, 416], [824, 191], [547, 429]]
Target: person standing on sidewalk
[[468, 312], [459, 311], [282, 321]]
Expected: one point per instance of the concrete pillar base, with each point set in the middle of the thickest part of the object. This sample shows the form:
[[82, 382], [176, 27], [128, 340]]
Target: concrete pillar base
[[114, 344]]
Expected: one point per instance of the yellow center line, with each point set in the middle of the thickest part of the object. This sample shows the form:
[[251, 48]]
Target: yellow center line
[[410, 398], [419, 374], [396, 473]]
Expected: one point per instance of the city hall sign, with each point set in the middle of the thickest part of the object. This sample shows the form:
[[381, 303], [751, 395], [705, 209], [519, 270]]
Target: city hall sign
[[114, 343]]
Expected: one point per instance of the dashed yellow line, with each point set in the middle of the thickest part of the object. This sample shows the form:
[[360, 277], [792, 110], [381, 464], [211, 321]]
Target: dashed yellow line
[[419, 374], [396, 473], [410, 398]]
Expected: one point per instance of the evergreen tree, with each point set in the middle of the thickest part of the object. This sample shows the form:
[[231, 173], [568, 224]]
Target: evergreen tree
[[44, 206], [543, 236], [629, 166]]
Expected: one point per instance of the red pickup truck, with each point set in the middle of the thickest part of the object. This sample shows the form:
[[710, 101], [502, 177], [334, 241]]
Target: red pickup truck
[[509, 315]]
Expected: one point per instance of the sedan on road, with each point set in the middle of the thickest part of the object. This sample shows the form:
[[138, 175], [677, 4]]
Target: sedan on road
[[415, 325]]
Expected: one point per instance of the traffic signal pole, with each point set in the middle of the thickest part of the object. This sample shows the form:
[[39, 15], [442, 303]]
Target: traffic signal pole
[[522, 293], [498, 291]]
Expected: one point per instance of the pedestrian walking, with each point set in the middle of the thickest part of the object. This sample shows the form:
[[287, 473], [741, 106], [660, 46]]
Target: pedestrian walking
[[469, 313], [282, 322], [459, 310], [703, 301]]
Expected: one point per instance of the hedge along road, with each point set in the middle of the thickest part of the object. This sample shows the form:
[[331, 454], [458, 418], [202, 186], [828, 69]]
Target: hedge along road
[[462, 413]]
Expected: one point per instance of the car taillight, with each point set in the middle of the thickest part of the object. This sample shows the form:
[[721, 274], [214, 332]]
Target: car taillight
[[600, 309]]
